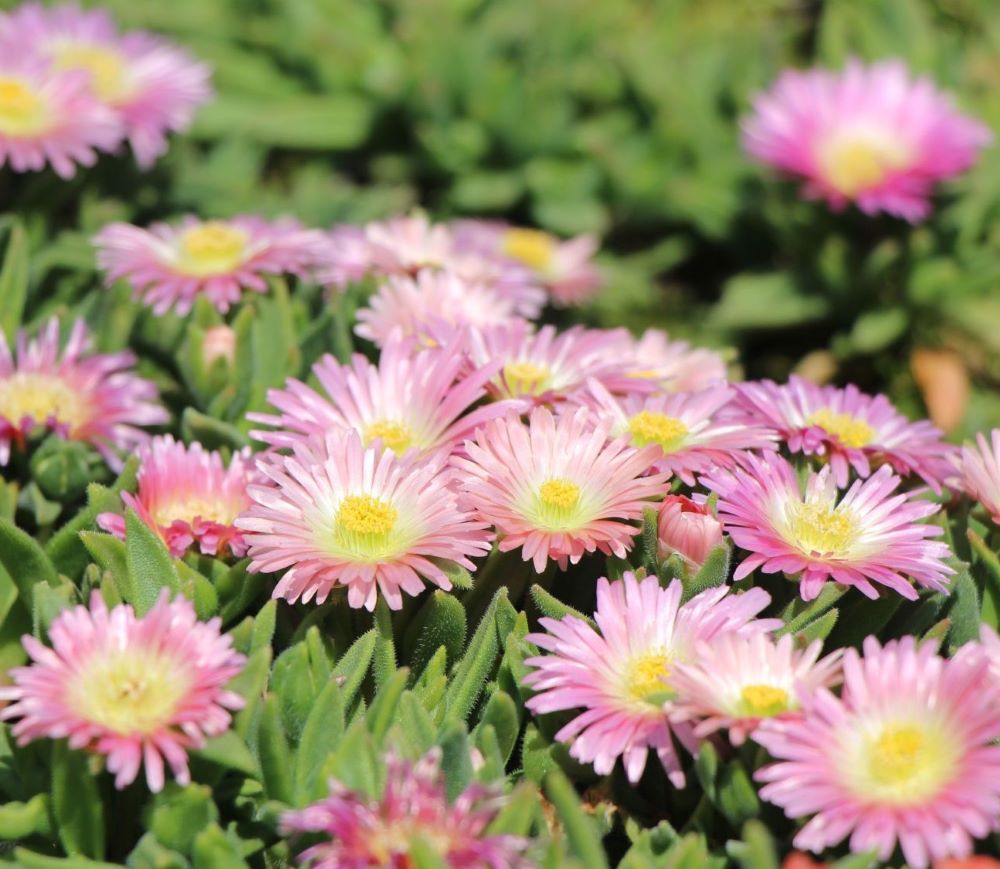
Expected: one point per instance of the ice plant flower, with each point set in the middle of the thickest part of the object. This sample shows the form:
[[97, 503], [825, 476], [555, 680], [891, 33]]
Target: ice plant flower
[[619, 673], [169, 266], [50, 118], [411, 400], [906, 755], [189, 497], [150, 86], [735, 682], [138, 690], [674, 366], [867, 535], [687, 528], [557, 489], [694, 431], [93, 398], [871, 135], [979, 468], [848, 429], [338, 514], [360, 831]]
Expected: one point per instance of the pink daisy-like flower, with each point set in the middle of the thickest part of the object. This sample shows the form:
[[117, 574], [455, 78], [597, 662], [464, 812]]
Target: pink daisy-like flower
[[735, 682], [694, 431], [340, 514], [848, 428], [410, 400], [979, 467], [905, 756], [139, 691], [433, 304], [557, 489], [170, 266], [92, 398], [361, 832], [868, 535], [619, 674], [674, 366], [49, 117], [687, 528], [152, 86], [871, 135], [187, 496]]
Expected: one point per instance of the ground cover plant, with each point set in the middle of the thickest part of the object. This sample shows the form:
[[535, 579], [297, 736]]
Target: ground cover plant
[[499, 434]]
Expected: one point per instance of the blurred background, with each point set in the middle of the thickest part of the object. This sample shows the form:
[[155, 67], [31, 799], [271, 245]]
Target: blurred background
[[614, 117]]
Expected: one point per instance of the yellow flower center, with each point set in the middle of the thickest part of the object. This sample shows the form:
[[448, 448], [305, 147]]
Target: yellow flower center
[[106, 67], [42, 397], [818, 528], [763, 701], [395, 436], [649, 427], [853, 165], [133, 691], [525, 378], [557, 505], [363, 527], [531, 246], [645, 677], [214, 248], [906, 764], [23, 111], [851, 432], [189, 509]]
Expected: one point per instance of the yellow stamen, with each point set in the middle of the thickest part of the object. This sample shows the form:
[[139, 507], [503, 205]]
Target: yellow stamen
[[531, 246], [42, 397], [905, 764], [187, 510], [106, 67], [214, 248], [851, 432], [363, 526], [525, 378], [649, 427], [22, 110], [763, 701], [854, 165], [395, 435], [646, 675], [556, 505], [818, 528]]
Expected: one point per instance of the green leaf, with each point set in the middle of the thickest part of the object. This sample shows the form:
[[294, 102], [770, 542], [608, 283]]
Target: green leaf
[[109, 553], [179, 812], [149, 564], [456, 759], [581, 834], [416, 726], [439, 622], [423, 855], [323, 730], [263, 625], [551, 607], [480, 659], [76, 803], [768, 301], [21, 820], [650, 541], [385, 647], [756, 851], [518, 814], [26, 859], [382, 712], [820, 628], [273, 753], [828, 596], [228, 750], [25, 561], [212, 433], [13, 280], [215, 849], [714, 572], [350, 670], [501, 714], [964, 611]]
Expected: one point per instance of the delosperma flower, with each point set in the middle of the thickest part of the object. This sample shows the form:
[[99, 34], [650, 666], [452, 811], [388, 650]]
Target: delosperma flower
[[557, 489], [979, 471], [848, 429], [871, 135], [189, 497], [619, 674], [868, 535], [907, 755], [339, 515], [358, 830], [93, 398], [150, 87], [688, 529], [140, 691], [674, 366], [169, 266]]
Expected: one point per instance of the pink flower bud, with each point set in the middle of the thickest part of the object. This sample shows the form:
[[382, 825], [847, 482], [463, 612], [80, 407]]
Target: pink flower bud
[[219, 343], [689, 529]]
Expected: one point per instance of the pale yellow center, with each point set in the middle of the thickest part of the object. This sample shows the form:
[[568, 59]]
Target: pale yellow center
[[525, 378], [818, 528], [850, 431], [363, 527], [854, 165], [645, 677], [531, 246], [906, 764], [106, 67], [556, 505], [133, 691], [214, 248], [42, 397], [763, 701], [23, 111], [189, 509], [394, 435], [649, 427]]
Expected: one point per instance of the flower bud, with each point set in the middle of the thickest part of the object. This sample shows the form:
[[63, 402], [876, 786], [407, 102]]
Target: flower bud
[[62, 468], [219, 343], [689, 529]]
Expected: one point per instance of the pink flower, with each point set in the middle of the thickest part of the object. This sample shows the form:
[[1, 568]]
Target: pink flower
[[694, 431], [871, 135], [338, 514], [673, 366], [136, 690], [187, 496], [170, 266], [735, 682], [905, 756], [360, 831], [152, 87], [619, 674], [687, 528], [49, 117], [848, 429], [557, 488], [421, 401], [979, 467], [219, 342], [94, 399], [867, 535]]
